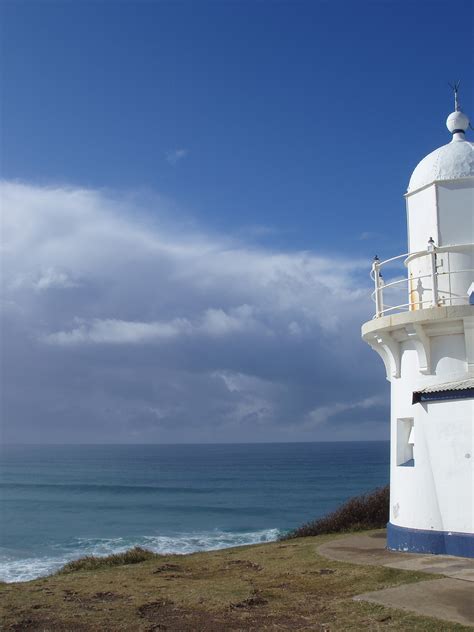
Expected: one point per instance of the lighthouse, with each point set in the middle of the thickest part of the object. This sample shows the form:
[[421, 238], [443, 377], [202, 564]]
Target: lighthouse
[[423, 329]]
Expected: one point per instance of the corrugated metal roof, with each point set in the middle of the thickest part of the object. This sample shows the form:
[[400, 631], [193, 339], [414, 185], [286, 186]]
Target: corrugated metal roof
[[461, 389], [459, 385]]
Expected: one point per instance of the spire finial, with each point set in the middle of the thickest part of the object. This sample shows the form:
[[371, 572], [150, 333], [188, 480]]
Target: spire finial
[[457, 122], [455, 88]]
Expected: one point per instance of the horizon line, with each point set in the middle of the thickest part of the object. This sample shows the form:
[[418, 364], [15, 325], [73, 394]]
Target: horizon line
[[10, 444]]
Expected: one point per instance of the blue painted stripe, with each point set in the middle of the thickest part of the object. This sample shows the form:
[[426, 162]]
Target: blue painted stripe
[[437, 542]]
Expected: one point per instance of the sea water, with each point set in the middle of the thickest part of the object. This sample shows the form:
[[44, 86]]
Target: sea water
[[63, 502]]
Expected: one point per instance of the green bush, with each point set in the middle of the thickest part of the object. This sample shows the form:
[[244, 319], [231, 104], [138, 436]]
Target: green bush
[[91, 562], [370, 511]]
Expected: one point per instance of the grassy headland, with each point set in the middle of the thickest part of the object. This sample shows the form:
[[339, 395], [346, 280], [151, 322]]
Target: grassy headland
[[276, 586]]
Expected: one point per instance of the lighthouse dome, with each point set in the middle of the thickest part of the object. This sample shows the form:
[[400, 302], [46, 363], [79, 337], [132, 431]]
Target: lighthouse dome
[[450, 162]]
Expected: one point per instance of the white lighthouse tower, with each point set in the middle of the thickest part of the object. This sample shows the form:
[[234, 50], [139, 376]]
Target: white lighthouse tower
[[423, 329]]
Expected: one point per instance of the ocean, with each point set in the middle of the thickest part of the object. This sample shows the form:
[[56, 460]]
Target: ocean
[[63, 502]]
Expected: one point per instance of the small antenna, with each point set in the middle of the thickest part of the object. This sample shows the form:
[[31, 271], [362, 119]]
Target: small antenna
[[455, 88]]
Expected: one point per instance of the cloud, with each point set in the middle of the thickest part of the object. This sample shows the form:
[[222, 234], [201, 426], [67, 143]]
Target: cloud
[[111, 331], [368, 234], [119, 324], [322, 414], [51, 278], [214, 322], [175, 155]]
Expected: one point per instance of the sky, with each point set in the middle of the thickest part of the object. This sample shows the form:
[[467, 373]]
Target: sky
[[192, 193]]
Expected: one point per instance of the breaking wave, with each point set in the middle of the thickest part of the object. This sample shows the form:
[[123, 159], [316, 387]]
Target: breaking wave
[[13, 569]]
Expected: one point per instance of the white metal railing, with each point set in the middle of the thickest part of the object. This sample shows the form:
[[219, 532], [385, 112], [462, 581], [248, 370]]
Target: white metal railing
[[439, 295]]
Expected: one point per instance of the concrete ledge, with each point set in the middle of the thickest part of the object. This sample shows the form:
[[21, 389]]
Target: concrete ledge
[[419, 316], [386, 334]]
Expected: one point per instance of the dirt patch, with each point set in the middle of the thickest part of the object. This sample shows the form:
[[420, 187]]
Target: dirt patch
[[151, 610], [252, 602], [168, 617], [24, 624], [106, 596], [165, 568], [245, 564], [73, 597], [90, 602], [165, 615], [36, 624]]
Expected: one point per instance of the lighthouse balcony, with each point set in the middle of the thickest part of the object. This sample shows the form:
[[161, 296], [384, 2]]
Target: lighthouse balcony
[[424, 301], [440, 276]]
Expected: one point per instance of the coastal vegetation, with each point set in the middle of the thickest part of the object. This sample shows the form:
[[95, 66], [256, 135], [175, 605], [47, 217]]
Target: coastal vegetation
[[369, 511], [93, 562]]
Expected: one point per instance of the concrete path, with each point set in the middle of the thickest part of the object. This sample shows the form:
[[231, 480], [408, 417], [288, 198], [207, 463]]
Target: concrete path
[[450, 598], [446, 599]]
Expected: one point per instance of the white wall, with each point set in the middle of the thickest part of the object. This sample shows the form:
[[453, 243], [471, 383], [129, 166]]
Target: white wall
[[456, 226], [455, 212], [447, 456], [422, 224], [448, 356], [438, 491], [422, 218], [445, 212]]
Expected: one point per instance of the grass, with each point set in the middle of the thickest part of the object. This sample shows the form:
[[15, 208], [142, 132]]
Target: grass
[[370, 511], [267, 587], [92, 563]]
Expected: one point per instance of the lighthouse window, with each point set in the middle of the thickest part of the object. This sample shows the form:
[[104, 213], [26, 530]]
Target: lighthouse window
[[405, 442]]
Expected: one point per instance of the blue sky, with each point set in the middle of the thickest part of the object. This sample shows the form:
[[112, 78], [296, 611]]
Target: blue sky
[[265, 129]]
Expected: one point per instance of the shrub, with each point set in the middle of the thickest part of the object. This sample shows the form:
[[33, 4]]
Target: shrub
[[370, 511], [91, 562]]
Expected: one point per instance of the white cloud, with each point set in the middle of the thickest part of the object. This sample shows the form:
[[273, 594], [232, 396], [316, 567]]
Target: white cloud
[[175, 155], [50, 278], [368, 235], [53, 278], [214, 323], [112, 331], [146, 313], [217, 322], [253, 399], [321, 414], [240, 382]]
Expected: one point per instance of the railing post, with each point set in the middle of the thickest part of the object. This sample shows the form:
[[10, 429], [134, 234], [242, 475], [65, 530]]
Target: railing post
[[433, 271], [378, 287]]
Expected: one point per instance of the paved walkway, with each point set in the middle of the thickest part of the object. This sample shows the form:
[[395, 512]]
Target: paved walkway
[[450, 598]]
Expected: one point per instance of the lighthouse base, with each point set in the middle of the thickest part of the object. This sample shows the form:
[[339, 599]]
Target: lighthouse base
[[436, 542]]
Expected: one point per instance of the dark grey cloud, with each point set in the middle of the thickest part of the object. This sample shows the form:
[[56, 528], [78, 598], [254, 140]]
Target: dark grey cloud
[[121, 325]]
